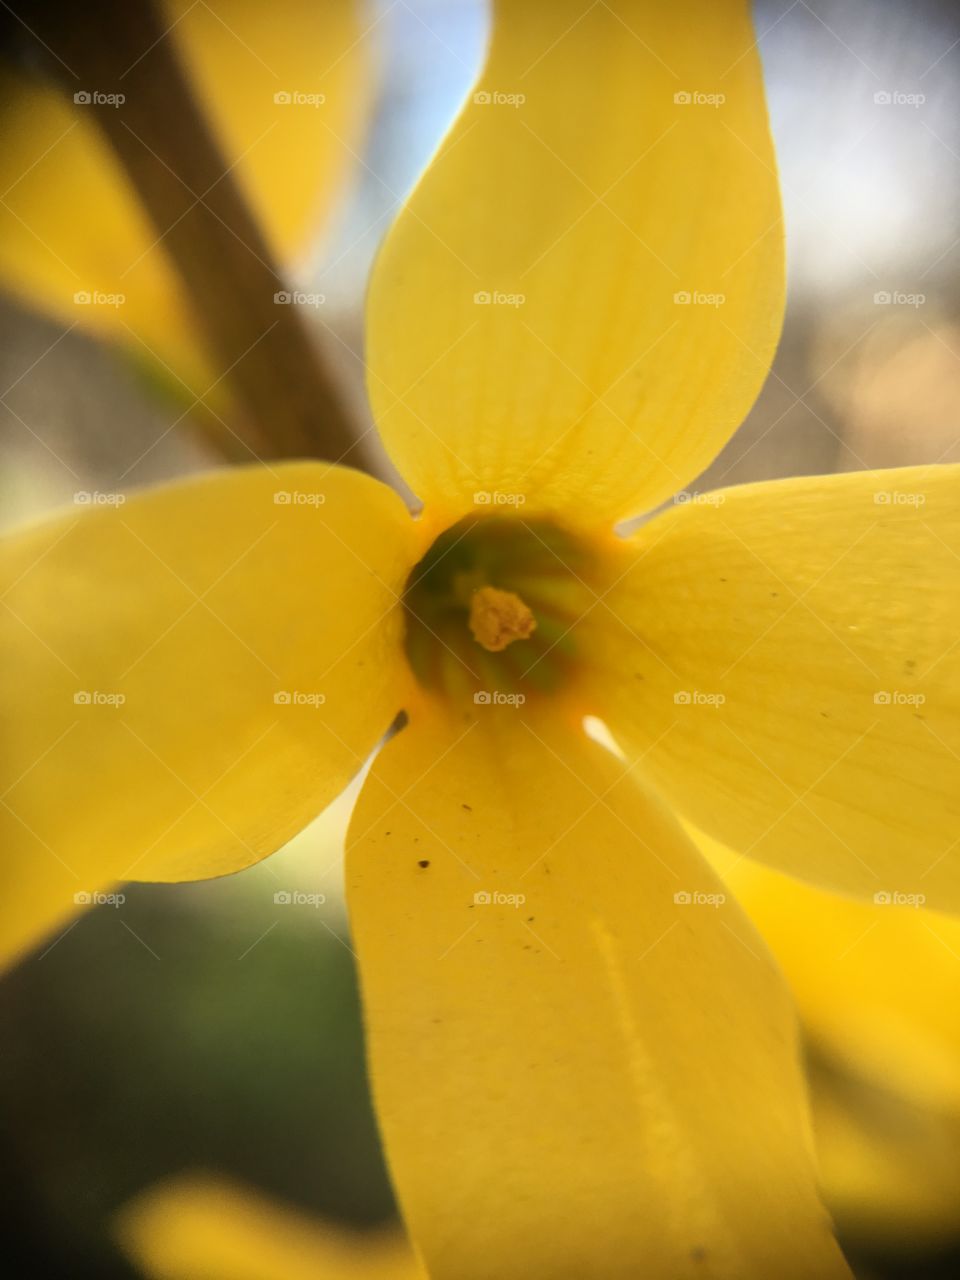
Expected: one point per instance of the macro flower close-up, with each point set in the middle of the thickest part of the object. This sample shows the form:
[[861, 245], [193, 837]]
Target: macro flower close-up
[[574, 699]]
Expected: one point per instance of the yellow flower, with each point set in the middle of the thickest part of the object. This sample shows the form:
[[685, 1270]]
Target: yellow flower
[[197, 1227], [583, 1060], [74, 239], [877, 986]]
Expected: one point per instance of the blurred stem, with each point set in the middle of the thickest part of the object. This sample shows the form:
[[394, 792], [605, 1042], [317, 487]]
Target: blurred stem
[[288, 401]]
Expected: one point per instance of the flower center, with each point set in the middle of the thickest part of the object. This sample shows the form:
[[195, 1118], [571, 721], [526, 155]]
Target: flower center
[[497, 618], [491, 608]]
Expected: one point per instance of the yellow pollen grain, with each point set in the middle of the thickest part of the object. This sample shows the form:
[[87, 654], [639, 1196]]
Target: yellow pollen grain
[[497, 618]]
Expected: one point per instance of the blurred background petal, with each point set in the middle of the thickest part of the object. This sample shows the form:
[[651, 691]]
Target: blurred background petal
[[199, 1228], [286, 88]]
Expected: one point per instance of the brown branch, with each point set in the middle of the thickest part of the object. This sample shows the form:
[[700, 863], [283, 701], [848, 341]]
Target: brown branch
[[288, 399]]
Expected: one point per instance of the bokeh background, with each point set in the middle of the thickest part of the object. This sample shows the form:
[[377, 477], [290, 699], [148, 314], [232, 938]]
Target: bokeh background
[[211, 1025]]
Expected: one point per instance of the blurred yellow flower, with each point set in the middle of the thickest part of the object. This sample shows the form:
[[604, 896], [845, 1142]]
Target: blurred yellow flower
[[73, 236], [202, 1228], [877, 986], [583, 1059]]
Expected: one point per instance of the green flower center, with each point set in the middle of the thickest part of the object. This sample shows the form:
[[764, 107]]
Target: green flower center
[[492, 608]]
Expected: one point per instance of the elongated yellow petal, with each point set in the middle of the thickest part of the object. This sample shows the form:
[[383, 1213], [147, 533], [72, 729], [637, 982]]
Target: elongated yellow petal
[[889, 1166], [581, 298], [202, 1228], [786, 659], [876, 984], [578, 1071], [69, 224], [877, 987], [187, 678]]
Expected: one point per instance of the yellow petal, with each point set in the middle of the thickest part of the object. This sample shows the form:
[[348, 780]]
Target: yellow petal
[[69, 223], [187, 678], [877, 985], [527, 328], [202, 1228], [889, 1166], [786, 659], [576, 1073]]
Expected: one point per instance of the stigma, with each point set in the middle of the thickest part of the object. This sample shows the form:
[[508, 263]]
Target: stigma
[[498, 618]]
